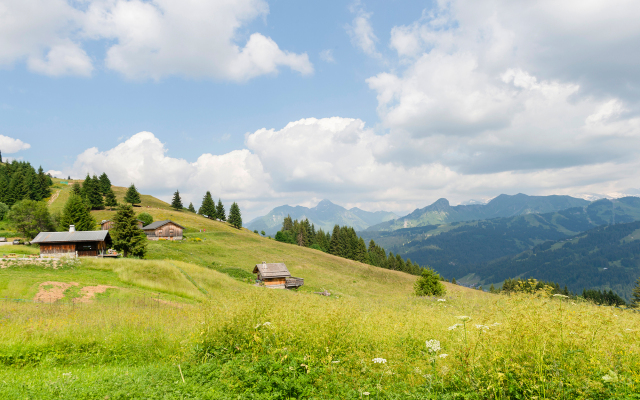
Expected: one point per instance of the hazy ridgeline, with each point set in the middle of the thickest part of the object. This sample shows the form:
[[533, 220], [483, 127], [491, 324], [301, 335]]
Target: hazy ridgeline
[[244, 341]]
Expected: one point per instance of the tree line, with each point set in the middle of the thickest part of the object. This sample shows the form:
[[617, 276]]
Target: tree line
[[20, 181], [209, 209], [343, 242]]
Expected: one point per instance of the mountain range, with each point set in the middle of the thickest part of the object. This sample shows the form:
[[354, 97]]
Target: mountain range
[[325, 215], [504, 205]]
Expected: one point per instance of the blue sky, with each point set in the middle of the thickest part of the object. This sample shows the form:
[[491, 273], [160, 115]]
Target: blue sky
[[376, 104]]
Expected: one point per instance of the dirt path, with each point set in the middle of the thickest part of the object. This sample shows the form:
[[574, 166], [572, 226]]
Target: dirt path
[[54, 197], [53, 293], [89, 292]]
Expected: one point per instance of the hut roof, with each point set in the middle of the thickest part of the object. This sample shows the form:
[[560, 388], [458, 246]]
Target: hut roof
[[272, 270], [158, 224], [66, 237]]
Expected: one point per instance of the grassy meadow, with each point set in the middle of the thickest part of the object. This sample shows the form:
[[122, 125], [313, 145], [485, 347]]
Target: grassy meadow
[[185, 323]]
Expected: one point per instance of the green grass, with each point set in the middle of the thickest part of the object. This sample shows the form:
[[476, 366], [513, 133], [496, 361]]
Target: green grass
[[189, 305]]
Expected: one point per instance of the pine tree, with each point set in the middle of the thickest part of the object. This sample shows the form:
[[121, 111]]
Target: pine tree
[[334, 244], [126, 235], [132, 196], [287, 224], [176, 203], [191, 208], [110, 200], [208, 207], [76, 189], [635, 299], [75, 212], [235, 217], [105, 184], [220, 212], [94, 195]]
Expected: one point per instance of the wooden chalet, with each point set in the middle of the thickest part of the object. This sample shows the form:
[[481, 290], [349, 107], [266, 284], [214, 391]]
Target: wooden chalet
[[73, 243], [276, 276], [163, 230], [108, 224]]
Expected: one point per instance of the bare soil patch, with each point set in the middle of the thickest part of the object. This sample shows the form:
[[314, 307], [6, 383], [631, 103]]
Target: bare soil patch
[[51, 292], [89, 292]]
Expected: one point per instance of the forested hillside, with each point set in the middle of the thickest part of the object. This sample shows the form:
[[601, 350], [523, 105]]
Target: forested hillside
[[20, 181], [460, 249], [504, 205]]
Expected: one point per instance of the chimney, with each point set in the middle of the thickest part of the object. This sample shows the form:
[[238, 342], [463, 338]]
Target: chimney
[[72, 228]]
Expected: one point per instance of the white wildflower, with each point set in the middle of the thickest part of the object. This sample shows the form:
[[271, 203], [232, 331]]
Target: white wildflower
[[483, 327], [335, 362], [266, 324], [496, 324], [442, 300], [452, 327], [463, 317], [630, 330], [611, 377], [433, 345], [257, 326], [365, 393], [561, 295], [443, 355], [379, 360]]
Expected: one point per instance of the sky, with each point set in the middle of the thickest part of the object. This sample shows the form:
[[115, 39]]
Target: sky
[[383, 105]]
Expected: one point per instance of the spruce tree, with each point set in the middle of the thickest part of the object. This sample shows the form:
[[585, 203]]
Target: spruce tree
[[635, 299], [76, 189], [176, 203], [94, 195], [110, 200], [126, 235], [132, 196], [235, 217], [220, 212], [334, 244], [75, 212], [191, 208], [105, 184], [208, 207]]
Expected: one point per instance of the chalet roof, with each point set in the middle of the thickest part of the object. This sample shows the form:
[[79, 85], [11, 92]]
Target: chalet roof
[[158, 224], [272, 270], [70, 237]]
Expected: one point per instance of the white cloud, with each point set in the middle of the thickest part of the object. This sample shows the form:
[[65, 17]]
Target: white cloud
[[362, 35], [10, 145], [146, 39], [327, 56], [142, 160]]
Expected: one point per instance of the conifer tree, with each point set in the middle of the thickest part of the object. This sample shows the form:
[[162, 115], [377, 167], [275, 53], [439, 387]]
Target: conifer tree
[[235, 217], [453, 280], [176, 203], [287, 224], [635, 299], [191, 208], [110, 200], [76, 189], [208, 207], [75, 212], [132, 196], [220, 212], [105, 184], [334, 244], [94, 195], [126, 235]]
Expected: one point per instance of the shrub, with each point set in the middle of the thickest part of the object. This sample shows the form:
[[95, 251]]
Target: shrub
[[429, 284], [3, 210], [146, 218]]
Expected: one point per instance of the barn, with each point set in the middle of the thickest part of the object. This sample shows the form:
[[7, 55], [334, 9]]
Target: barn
[[163, 230], [276, 276], [73, 243]]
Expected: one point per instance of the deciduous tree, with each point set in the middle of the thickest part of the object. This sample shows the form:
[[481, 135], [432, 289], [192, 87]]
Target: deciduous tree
[[30, 217]]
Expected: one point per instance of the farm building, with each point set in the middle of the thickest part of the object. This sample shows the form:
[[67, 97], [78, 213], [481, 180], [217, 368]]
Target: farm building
[[108, 224], [163, 230], [72, 243], [276, 276]]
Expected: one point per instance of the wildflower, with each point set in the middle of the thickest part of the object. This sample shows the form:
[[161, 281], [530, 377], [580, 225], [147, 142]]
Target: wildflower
[[483, 327], [257, 326], [365, 393], [442, 300], [496, 324], [433, 345], [266, 324], [335, 362], [463, 317], [561, 295], [454, 327], [443, 355], [379, 360]]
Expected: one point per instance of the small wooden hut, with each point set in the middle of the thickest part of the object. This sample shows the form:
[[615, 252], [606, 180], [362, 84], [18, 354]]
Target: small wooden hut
[[73, 243], [163, 230], [276, 276]]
